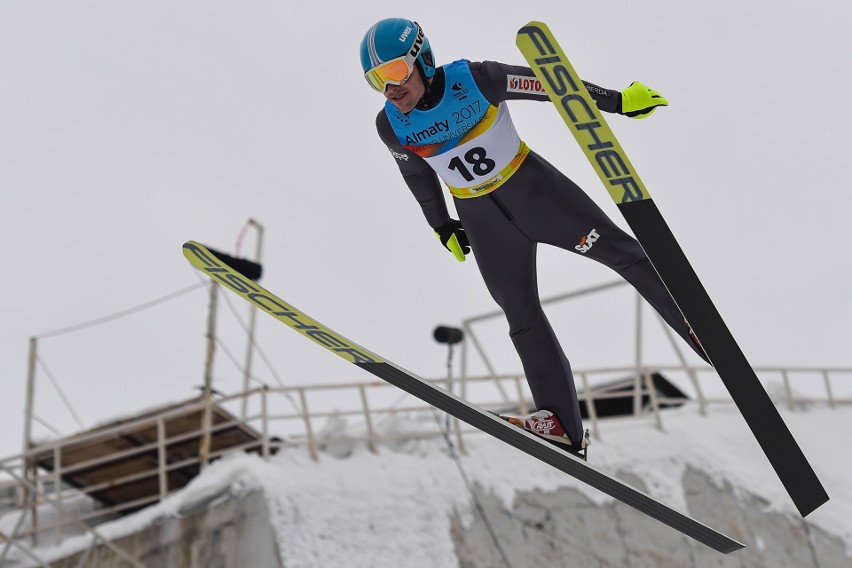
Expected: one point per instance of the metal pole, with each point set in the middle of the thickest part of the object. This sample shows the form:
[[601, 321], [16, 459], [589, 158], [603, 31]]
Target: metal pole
[[162, 459], [264, 423], [637, 382], [28, 408], [463, 386], [309, 431], [251, 325], [29, 469], [828, 388], [206, 420], [449, 381], [57, 492], [455, 423], [365, 405], [788, 390], [652, 399], [591, 409]]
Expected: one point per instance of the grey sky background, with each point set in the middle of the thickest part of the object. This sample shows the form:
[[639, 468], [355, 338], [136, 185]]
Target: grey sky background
[[127, 128]]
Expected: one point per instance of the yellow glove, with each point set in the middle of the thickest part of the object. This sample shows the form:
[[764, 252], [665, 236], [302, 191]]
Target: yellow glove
[[639, 100], [453, 238]]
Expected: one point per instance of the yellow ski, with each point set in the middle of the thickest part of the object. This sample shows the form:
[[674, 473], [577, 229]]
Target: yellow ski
[[597, 141], [204, 260]]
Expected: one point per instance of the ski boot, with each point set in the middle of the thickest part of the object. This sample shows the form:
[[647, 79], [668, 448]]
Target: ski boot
[[545, 424], [697, 344]]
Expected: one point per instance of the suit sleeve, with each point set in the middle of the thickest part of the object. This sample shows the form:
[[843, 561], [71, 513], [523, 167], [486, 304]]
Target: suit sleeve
[[420, 178], [500, 82]]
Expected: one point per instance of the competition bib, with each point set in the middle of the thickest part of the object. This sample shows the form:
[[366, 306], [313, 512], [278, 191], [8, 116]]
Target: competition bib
[[472, 145]]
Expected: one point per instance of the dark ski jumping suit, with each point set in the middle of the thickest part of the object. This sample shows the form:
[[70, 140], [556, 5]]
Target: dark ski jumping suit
[[508, 199]]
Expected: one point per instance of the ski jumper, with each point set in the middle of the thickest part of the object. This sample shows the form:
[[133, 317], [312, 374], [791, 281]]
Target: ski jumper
[[509, 199]]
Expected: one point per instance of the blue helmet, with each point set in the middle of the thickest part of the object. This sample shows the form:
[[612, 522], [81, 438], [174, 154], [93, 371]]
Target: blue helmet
[[394, 37]]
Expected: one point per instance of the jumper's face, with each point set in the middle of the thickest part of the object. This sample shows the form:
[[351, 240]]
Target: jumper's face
[[405, 96]]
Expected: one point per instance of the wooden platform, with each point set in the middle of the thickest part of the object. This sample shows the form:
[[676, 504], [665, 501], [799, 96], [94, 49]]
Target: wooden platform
[[119, 463]]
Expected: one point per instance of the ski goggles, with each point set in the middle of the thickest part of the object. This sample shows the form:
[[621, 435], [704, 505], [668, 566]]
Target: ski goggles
[[393, 72]]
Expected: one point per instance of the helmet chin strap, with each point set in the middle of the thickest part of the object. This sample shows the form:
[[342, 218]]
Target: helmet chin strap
[[427, 101]]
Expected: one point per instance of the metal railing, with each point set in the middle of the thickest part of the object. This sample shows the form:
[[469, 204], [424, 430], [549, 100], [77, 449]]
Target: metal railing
[[343, 402], [359, 413]]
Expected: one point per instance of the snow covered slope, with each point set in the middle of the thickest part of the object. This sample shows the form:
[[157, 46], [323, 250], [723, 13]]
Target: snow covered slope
[[408, 504]]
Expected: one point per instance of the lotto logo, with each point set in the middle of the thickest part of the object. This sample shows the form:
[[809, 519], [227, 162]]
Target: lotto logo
[[522, 84]]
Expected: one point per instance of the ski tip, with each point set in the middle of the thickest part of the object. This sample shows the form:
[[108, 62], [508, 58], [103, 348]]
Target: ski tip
[[200, 256], [533, 29], [534, 24], [191, 249]]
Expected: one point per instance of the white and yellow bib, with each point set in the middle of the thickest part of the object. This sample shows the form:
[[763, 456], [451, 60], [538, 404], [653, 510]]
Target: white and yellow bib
[[472, 145]]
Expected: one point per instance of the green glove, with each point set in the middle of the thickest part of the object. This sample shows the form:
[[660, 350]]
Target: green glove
[[453, 238], [639, 101]]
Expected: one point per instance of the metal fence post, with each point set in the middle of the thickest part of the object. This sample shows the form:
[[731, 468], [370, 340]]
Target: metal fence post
[[371, 436], [264, 424], [591, 409], [57, 491], [162, 459], [309, 431], [828, 388], [29, 471], [522, 404], [787, 390], [652, 398], [637, 381]]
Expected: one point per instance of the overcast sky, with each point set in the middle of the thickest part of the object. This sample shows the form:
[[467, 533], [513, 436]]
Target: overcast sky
[[127, 128]]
